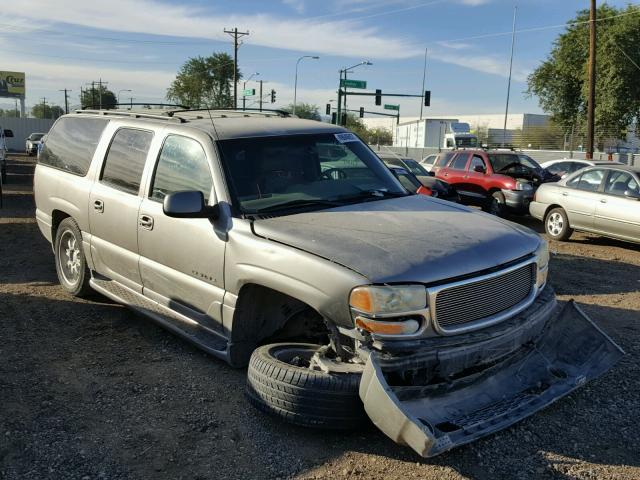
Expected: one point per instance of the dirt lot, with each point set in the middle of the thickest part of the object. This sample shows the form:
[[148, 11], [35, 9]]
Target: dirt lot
[[90, 390]]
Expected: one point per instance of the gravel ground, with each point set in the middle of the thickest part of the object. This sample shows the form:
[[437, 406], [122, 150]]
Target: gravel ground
[[90, 390]]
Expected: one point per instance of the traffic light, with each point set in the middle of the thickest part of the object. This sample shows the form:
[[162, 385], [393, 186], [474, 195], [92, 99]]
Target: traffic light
[[427, 98], [378, 97], [273, 96], [361, 112], [328, 109]]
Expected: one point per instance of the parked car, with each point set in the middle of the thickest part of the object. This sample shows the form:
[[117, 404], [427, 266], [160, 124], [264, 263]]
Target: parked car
[[566, 166], [428, 161], [500, 181], [411, 168], [32, 143], [603, 199], [288, 245], [410, 182], [4, 134]]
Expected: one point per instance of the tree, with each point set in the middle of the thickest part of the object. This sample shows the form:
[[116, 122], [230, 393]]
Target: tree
[[204, 82], [42, 110], [374, 136], [561, 85], [98, 96], [9, 113], [305, 110]]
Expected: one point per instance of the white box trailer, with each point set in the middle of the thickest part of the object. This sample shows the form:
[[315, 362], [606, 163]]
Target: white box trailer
[[441, 133]]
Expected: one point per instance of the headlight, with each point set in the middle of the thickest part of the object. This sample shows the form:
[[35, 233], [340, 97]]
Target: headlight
[[375, 300], [542, 260], [524, 186]]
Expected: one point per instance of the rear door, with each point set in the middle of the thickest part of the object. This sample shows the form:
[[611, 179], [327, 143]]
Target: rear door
[[580, 197], [114, 202], [617, 214], [182, 259]]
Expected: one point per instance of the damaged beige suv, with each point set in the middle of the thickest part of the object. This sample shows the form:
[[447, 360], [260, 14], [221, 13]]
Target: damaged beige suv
[[288, 246]]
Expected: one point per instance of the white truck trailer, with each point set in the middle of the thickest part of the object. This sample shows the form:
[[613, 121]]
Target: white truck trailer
[[441, 133]]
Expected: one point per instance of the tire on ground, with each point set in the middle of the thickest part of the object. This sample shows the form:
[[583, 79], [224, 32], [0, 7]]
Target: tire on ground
[[497, 205], [69, 229], [300, 395], [556, 224]]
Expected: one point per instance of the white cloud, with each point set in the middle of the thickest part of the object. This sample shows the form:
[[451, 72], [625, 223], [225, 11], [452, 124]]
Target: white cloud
[[474, 3], [297, 5], [490, 64], [339, 37]]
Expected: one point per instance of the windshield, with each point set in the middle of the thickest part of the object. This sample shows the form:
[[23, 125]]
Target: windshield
[[414, 167], [466, 142], [36, 136], [268, 174], [505, 161]]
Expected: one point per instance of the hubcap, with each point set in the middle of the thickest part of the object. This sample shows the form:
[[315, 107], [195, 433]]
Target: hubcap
[[69, 257], [555, 223]]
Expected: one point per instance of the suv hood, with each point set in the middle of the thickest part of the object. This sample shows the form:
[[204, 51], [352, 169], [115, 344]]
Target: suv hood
[[407, 239]]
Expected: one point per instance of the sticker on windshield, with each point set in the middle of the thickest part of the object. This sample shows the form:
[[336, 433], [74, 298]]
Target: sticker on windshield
[[346, 137]]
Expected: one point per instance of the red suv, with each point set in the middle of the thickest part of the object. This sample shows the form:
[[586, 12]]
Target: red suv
[[497, 180]]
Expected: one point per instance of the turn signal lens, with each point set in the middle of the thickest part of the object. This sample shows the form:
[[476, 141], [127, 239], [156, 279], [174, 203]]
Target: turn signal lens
[[405, 327]]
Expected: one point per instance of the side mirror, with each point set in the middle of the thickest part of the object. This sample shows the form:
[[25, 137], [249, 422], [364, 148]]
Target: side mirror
[[631, 194], [479, 169], [189, 204], [8, 133]]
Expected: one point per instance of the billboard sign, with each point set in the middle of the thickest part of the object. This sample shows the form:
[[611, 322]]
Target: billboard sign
[[12, 84]]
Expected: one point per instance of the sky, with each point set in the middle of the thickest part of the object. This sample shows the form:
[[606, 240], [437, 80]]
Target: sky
[[139, 45]]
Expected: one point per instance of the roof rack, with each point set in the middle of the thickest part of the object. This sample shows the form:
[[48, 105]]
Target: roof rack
[[267, 112], [123, 113]]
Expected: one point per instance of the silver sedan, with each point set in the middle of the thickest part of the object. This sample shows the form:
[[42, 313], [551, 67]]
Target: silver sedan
[[599, 199]]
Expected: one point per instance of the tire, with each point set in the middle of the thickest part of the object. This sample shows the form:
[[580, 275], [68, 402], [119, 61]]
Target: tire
[[299, 395], [71, 264], [556, 224], [497, 205]]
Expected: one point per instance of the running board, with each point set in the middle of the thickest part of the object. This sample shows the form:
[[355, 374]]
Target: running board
[[432, 419], [206, 339]]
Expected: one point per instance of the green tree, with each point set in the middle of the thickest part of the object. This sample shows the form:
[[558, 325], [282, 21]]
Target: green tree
[[42, 110], [9, 113], [561, 85], [373, 136], [305, 110], [205, 82], [98, 96]]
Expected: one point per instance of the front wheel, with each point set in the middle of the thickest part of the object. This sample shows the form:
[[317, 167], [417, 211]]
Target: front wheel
[[281, 383], [556, 224], [71, 265], [497, 205]]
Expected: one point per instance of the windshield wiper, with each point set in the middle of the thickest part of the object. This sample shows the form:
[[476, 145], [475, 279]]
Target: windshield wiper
[[373, 195], [299, 203]]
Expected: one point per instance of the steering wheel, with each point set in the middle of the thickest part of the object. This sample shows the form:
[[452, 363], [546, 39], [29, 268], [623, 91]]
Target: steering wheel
[[334, 174]]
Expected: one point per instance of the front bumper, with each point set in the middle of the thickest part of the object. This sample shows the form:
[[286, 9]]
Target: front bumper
[[518, 200], [433, 400]]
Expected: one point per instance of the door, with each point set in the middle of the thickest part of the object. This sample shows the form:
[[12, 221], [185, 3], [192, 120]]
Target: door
[[182, 259], [474, 182], [580, 198], [455, 172], [617, 214], [113, 208]]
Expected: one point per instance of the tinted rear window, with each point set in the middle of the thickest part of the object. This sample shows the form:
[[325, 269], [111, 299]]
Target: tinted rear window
[[126, 158], [71, 144]]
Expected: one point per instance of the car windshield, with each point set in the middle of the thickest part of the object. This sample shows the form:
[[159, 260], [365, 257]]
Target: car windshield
[[505, 161], [466, 142], [270, 174], [36, 136], [414, 167]]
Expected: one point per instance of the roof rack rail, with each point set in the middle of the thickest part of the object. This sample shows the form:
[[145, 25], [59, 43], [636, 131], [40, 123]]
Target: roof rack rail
[[239, 111], [157, 116]]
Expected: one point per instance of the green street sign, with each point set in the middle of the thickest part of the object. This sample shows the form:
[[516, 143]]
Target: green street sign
[[353, 83], [249, 92], [391, 107]]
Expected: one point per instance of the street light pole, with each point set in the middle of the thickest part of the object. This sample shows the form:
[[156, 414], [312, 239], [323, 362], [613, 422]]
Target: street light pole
[[244, 86], [295, 83], [341, 94], [506, 111], [123, 90]]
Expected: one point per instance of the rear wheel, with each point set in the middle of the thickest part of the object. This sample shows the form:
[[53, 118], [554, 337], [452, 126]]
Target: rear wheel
[[71, 265], [556, 224], [281, 383]]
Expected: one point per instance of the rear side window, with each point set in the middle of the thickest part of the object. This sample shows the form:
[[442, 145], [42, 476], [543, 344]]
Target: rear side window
[[125, 159], [589, 181], [182, 166], [460, 162], [71, 144]]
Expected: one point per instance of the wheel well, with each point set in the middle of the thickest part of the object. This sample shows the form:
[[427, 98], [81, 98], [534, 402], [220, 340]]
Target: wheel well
[[264, 315], [549, 208], [57, 216]]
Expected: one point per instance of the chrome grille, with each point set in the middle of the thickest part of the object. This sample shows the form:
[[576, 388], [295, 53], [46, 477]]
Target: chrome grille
[[469, 302]]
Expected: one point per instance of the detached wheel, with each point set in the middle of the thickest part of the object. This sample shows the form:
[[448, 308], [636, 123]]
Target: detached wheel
[[280, 383], [556, 224], [497, 204], [71, 265]]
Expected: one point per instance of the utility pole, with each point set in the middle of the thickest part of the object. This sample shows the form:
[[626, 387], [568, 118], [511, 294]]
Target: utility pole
[[591, 105], [424, 78], [44, 107], [260, 95], [513, 42], [66, 100], [236, 35]]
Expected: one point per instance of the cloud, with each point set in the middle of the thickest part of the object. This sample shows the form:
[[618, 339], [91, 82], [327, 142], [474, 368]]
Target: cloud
[[474, 3], [297, 5], [456, 45], [330, 37], [491, 64]]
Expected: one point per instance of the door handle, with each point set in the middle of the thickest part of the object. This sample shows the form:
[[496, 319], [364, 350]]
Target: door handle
[[564, 194], [603, 200], [446, 174], [146, 222], [98, 206]]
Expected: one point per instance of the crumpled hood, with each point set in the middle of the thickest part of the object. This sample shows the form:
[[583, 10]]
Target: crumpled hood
[[407, 239]]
